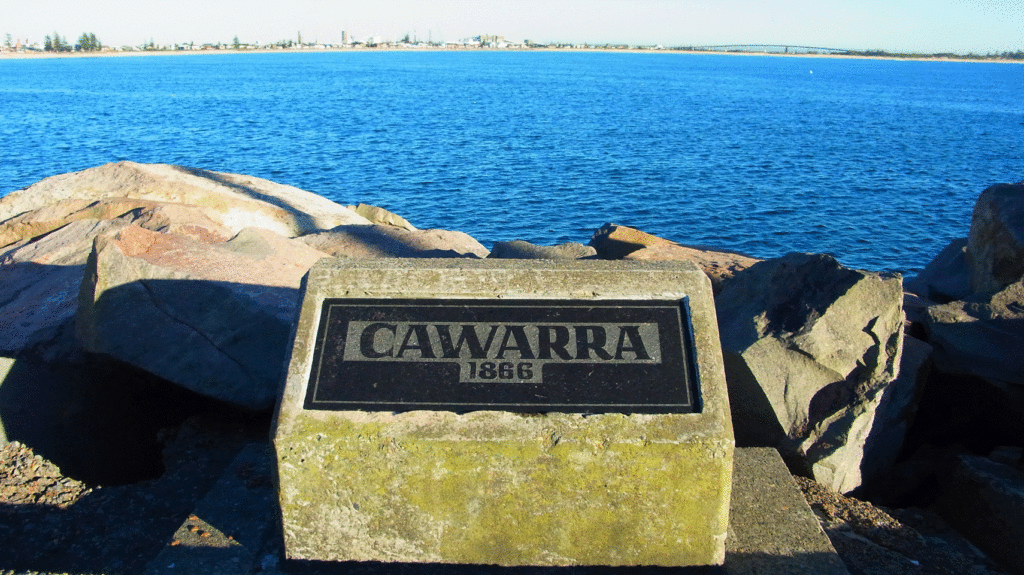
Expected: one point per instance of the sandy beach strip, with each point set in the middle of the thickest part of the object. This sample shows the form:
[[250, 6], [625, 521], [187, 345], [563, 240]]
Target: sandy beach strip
[[24, 55]]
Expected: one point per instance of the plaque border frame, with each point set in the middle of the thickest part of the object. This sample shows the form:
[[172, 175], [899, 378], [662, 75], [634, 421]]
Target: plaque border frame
[[688, 357]]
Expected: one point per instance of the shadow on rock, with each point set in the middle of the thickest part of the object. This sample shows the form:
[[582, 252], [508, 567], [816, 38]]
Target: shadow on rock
[[119, 529], [99, 422]]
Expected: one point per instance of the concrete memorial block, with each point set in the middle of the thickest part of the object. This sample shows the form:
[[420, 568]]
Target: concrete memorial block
[[509, 412]]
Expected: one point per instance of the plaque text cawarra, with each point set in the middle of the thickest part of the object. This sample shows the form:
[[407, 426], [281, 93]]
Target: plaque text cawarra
[[529, 355], [515, 352]]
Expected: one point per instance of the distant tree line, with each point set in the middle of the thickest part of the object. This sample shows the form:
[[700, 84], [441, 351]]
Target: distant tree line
[[1018, 55], [56, 44], [87, 42]]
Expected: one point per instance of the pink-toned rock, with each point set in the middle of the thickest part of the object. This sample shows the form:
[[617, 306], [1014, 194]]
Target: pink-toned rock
[[188, 221], [383, 241], [614, 242], [39, 284], [44, 220], [232, 200], [212, 318], [381, 216], [41, 269], [253, 256], [157, 216], [720, 266]]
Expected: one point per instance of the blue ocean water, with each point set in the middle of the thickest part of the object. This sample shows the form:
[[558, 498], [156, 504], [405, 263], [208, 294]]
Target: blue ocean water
[[877, 162]]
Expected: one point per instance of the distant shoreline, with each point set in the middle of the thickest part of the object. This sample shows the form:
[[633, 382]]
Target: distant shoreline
[[119, 54]]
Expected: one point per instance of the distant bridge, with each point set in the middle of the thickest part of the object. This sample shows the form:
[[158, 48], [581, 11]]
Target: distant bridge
[[771, 48]]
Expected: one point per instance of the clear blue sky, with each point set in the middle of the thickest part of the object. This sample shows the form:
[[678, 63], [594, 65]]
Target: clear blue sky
[[930, 26]]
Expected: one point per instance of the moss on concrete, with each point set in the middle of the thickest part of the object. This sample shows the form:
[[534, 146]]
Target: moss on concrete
[[573, 496]]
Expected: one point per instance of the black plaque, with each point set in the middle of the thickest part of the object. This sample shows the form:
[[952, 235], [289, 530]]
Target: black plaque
[[600, 356]]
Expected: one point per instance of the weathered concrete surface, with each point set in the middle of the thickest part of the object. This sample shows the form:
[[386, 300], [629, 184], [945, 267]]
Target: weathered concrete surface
[[810, 347], [995, 245], [232, 200], [385, 241], [772, 530], [213, 318], [501, 488], [521, 250]]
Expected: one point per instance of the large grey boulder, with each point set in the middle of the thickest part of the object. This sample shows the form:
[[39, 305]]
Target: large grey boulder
[[995, 245], [385, 241], [810, 347], [946, 277], [983, 335], [232, 200], [212, 318], [522, 250]]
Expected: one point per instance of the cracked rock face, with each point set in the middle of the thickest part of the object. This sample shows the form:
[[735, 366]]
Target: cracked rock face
[[810, 350], [983, 335], [213, 318]]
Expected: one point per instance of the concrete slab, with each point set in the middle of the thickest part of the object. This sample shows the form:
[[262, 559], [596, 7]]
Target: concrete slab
[[499, 487], [226, 532], [772, 530]]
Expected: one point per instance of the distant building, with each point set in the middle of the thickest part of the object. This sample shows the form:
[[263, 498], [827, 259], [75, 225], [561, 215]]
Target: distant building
[[492, 41], [344, 38]]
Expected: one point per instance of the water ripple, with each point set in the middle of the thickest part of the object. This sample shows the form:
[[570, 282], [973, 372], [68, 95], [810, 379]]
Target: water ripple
[[876, 162]]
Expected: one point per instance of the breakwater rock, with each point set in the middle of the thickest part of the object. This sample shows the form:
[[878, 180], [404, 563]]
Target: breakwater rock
[[185, 283], [812, 351]]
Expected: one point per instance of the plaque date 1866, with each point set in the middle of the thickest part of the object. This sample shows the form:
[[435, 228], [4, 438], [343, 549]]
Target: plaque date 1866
[[629, 356]]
